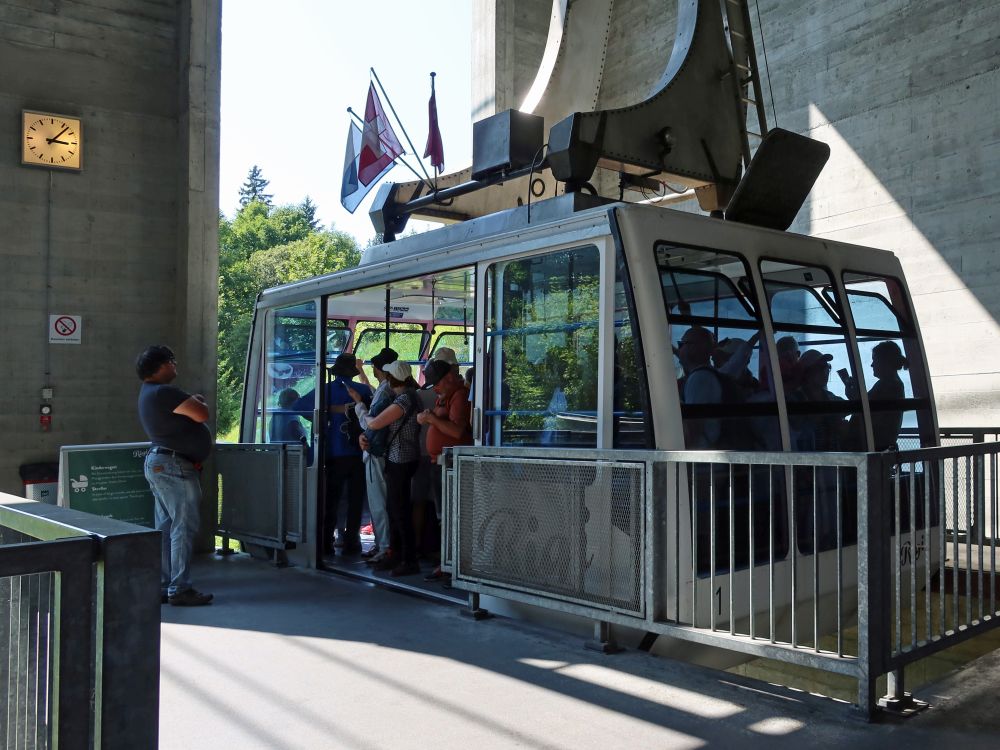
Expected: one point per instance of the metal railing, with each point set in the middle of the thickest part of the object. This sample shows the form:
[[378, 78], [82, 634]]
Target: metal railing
[[262, 493], [80, 622], [840, 562]]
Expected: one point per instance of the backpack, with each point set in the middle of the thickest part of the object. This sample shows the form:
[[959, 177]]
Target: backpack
[[733, 431], [378, 442]]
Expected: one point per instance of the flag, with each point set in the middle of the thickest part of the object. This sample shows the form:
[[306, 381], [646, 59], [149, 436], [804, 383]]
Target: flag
[[379, 145], [352, 191], [434, 148]]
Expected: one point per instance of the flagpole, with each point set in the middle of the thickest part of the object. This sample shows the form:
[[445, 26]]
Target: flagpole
[[400, 157], [400, 122], [436, 171]]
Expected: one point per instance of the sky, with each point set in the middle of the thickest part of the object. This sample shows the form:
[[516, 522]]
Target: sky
[[291, 69]]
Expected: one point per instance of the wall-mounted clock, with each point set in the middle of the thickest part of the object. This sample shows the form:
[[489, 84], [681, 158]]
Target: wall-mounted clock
[[50, 140]]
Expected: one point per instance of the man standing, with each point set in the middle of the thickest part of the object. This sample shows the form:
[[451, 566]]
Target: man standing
[[174, 420], [448, 423], [345, 470]]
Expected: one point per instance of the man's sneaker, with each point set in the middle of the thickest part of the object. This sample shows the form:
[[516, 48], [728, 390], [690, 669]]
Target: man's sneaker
[[190, 598]]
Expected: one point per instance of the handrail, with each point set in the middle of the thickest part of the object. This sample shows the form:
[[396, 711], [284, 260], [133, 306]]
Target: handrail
[[105, 659]]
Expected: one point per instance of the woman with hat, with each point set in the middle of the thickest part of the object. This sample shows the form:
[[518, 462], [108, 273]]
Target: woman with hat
[[402, 458]]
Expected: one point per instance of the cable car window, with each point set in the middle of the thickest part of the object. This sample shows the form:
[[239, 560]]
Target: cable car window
[[408, 339], [338, 336], [629, 425], [543, 342], [798, 305], [821, 393], [701, 284], [893, 370], [728, 399], [461, 342], [289, 372]]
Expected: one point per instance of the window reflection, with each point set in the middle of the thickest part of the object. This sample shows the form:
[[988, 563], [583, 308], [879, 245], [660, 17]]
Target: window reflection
[[289, 372], [728, 402], [543, 329]]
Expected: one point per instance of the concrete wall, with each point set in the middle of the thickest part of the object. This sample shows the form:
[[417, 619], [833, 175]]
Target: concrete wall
[[906, 93], [129, 244]]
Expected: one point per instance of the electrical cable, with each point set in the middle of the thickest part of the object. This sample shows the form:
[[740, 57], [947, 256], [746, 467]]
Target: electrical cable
[[531, 174], [767, 68]]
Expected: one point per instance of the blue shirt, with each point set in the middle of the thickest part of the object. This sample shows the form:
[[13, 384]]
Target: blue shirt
[[337, 442]]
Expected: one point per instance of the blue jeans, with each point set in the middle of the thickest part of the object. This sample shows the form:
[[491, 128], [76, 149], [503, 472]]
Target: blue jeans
[[176, 487]]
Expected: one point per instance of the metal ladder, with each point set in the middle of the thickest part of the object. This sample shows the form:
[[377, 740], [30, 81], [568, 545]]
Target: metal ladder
[[741, 43]]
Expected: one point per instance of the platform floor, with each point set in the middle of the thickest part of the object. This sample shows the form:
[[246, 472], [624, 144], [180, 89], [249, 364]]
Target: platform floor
[[291, 658]]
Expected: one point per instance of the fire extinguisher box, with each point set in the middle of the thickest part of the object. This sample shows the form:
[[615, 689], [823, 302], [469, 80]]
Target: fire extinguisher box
[[41, 481]]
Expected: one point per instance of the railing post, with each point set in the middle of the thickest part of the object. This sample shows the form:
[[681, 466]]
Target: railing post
[[128, 660], [873, 578]]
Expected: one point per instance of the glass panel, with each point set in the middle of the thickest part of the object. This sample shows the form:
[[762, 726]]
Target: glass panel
[[727, 401], [338, 336], [408, 339], [629, 424], [727, 396], [289, 373], [700, 283], [543, 325], [461, 341], [824, 409], [892, 366]]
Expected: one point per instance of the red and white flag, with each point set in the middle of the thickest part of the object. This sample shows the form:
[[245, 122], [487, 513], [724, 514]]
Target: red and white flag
[[379, 145], [434, 148]]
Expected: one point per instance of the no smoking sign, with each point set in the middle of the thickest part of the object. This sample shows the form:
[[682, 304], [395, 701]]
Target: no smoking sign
[[65, 329]]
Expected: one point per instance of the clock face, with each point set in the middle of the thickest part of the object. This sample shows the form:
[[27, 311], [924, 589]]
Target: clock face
[[49, 140]]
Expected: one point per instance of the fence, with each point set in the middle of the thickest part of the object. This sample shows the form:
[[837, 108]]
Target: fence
[[262, 490], [769, 554], [80, 619]]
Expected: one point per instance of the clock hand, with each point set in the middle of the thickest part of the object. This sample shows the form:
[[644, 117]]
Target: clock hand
[[53, 138]]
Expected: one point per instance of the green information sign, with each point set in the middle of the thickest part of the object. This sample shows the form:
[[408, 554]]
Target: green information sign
[[107, 480]]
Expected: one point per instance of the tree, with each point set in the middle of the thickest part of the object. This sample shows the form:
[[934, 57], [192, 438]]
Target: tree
[[253, 188], [308, 209], [263, 247]]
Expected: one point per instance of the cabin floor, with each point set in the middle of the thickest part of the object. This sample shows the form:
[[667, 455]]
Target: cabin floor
[[295, 658], [356, 566]]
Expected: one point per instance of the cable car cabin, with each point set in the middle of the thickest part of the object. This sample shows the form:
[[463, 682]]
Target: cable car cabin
[[627, 326]]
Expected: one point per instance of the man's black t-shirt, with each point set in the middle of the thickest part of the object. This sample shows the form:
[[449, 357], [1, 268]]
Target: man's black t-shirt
[[157, 402]]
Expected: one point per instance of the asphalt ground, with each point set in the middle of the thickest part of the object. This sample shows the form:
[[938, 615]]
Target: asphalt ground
[[292, 658]]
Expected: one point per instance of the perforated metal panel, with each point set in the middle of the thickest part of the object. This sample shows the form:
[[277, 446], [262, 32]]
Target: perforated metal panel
[[571, 530], [252, 492]]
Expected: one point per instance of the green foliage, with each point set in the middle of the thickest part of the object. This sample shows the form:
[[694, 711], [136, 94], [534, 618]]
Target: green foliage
[[262, 247], [308, 209], [253, 188]]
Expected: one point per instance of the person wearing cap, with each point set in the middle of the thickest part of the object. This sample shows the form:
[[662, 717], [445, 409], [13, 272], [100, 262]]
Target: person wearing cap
[[815, 431], [446, 354], [401, 459], [448, 423], [345, 471], [375, 465]]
